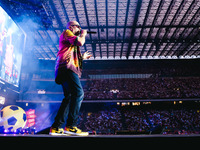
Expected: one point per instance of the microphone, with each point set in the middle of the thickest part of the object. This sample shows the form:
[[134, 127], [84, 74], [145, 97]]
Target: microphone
[[91, 32]]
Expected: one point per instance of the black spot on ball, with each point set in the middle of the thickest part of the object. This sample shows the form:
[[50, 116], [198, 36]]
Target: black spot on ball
[[14, 108], [12, 121], [10, 128], [24, 117], [1, 114]]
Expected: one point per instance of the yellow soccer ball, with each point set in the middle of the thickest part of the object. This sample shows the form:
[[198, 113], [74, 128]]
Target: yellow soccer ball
[[12, 118]]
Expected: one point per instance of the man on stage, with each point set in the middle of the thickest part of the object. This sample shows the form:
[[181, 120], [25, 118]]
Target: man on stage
[[68, 70]]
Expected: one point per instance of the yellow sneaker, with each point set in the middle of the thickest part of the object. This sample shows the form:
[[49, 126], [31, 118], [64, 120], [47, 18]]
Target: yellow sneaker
[[56, 131], [75, 131]]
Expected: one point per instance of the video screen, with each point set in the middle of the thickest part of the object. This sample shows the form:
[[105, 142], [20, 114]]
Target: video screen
[[11, 48]]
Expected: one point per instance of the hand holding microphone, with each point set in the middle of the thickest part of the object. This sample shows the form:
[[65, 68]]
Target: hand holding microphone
[[83, 33], [81, 41]]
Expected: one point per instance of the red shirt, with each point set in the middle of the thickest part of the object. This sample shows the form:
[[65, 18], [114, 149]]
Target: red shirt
[[69, 55]]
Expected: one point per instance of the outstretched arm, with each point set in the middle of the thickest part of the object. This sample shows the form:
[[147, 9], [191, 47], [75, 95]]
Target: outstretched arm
[[87, 55]]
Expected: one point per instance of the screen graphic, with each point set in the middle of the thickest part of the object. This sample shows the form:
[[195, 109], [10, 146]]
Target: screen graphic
[[11, 47]]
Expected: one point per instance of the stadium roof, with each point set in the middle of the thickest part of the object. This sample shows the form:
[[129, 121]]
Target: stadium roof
[[126, 29]]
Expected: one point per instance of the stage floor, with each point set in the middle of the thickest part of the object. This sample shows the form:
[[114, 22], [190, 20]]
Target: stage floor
[[101, 140]]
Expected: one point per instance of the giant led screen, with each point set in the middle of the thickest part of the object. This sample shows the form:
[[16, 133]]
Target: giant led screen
[[11, 47]]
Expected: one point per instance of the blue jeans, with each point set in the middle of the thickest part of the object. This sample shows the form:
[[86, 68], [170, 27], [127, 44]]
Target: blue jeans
[[70, 106]]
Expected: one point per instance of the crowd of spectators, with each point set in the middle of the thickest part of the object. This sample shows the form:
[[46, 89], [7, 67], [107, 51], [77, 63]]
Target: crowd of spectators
[[146, 88], [166, 121], [135, 120], [174, 121], [104, 121]]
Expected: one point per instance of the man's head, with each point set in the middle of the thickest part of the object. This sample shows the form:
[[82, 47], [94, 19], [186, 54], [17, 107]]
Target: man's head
[[74, 26]]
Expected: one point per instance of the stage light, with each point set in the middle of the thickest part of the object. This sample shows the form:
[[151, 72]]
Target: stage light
[[143, 57], [155, 57], [41, 91], [130, 57], [162, 57], [117, 57], [193, 56], [123, 57], [2, 82], [169, 57], [174, 57], [149, 57], [137, 57], [2, 100]]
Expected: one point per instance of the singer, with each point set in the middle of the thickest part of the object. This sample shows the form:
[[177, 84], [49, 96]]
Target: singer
[[68, 70]]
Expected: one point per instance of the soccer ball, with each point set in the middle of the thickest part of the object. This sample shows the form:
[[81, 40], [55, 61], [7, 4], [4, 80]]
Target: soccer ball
[[12, 118]]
